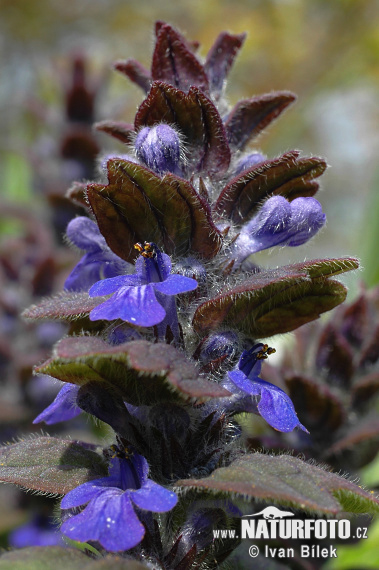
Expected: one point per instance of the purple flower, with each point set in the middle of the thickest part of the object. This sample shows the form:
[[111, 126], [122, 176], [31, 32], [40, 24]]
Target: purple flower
[[146, 297], [98, 262], [159, 148], [279, 222], [63, 408], [40, 531], [109, 516], [274, 405]]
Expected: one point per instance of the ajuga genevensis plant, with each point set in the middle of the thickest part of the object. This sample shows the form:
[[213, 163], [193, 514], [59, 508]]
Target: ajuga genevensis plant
[[169, 315]]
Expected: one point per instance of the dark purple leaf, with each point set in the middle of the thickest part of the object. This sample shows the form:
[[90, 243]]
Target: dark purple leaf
[[276, 301], [138, 205], [122, 131], [135, 71], [358, 445], [250, 116], [287, 175], [220, 59], [370, 350], [317, 406], [77, 194], [197, 119], [80, 98], [174, 62], [50, 465], [335, 356], [365, 388], [193, 45], [141, 372], [356, 321], [288, 481]]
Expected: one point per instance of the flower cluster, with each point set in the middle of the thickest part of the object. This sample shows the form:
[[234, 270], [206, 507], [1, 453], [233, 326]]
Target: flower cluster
[[168, 316]]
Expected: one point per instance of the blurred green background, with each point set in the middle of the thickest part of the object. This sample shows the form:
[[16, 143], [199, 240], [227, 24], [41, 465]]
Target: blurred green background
[[326, 51]]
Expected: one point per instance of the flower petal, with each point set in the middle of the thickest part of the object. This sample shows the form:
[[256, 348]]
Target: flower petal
[[243, 383], [136, 305], [63, 408], [113, 284], [175, 284], [154, 497], [278, 410], [85, 493], [109, 519], [85, 234]]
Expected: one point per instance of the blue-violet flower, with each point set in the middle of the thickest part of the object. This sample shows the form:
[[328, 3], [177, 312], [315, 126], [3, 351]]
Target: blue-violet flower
[[63, 408], [98, 262], [279, 222], [109, 516], [274, 405], [39, 531], [146, 297]]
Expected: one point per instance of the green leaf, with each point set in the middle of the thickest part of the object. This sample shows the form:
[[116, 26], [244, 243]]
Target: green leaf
[[137, 206], [276, 301], [197, 119], [363, 555], [50, 465], [287, 175], [59, 558], [287, 481], [43, 558], [141, 372]]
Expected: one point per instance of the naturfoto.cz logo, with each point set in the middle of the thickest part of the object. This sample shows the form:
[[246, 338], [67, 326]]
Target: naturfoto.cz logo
[[272, 523]]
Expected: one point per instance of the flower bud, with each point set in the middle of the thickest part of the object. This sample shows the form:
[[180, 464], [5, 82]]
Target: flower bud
[[219, 347], [159, 148], [191, 267], [279, 222]]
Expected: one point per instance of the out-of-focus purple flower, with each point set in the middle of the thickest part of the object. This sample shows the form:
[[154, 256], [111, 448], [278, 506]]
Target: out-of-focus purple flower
[[249, 161], [48, 333], [122, 333], [63, 408], [279, 222], [109, 516], [145, 298], [40, 531], [98, 262], [159, 148], [274, 405]]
